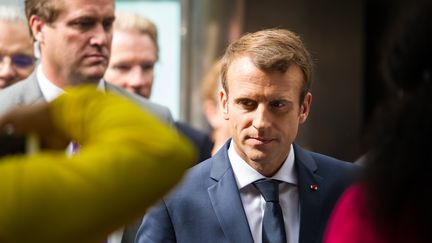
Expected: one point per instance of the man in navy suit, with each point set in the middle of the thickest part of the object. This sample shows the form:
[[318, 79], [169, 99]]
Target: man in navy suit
[[266, 78]]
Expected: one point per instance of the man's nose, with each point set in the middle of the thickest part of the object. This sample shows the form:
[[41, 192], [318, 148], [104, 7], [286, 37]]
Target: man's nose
[[7, 71], [101, 36], [139, 77], [261, 118]]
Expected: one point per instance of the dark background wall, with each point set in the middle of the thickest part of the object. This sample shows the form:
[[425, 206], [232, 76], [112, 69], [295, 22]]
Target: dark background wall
[[334, 33]]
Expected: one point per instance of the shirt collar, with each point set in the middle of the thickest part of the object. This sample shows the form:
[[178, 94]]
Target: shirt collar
[[50, 91], [245, 174]]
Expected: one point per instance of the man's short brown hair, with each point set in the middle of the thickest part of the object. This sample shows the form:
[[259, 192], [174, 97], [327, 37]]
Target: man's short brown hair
[[271, 50], [47, 10]]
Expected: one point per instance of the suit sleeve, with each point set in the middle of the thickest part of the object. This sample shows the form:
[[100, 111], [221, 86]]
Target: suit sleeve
[[156, 226], [128, 160]]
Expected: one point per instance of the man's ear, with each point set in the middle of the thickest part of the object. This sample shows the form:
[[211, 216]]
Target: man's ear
[[223, 101], [305, 108], [37, 26]]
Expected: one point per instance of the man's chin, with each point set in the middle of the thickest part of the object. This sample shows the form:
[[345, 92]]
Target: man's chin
[[257, 155], [95, 71], [90, 75]]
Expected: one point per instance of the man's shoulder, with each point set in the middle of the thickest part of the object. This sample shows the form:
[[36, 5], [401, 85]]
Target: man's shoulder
[[328, 167], [158, 110], [322, 160], [199, 172], [194, 184], [338, 174], [201, 140], [21, 93], [331, 161], [15, 89]]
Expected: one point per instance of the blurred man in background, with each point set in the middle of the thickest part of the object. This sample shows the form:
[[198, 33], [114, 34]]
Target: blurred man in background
[[16, 49], [134, 53], [210, 90]]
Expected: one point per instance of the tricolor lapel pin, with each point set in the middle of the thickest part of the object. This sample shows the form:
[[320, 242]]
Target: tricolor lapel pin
[[314, 187]]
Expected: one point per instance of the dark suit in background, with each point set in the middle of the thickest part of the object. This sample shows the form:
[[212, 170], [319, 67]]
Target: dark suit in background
[[200, 140]]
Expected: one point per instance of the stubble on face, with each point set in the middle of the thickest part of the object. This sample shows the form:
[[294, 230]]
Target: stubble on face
[[78, 42], [263, 112]]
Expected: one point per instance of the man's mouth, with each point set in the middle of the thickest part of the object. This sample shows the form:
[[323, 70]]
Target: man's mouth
[[260, 140], [96, 57]]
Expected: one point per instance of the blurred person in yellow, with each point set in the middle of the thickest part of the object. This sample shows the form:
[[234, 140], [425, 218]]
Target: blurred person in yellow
[[16, 49], [122, 168]]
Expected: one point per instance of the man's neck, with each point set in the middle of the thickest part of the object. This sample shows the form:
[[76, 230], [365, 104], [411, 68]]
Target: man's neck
[[53, 76]]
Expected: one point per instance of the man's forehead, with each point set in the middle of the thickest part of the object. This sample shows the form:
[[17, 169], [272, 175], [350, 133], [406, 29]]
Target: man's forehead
[[84, 8], [15, 38]]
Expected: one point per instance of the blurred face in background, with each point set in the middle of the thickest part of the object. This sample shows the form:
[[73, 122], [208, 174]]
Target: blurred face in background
[[133, 56], [16, 53]]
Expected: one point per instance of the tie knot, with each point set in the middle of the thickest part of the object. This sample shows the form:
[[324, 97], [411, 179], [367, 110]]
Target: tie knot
[[269, 189]]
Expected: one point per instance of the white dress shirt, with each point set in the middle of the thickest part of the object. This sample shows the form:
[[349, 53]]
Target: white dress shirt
[[49, 90], [254, 203]]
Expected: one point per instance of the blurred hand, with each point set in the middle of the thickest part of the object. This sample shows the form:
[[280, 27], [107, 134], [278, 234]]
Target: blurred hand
[[34, 119]]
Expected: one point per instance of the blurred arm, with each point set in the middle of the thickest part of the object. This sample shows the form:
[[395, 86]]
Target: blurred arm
[[127, 161]]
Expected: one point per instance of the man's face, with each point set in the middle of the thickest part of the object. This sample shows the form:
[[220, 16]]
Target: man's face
[[263, 112], [16, 53], [75, 48], [131, 66]]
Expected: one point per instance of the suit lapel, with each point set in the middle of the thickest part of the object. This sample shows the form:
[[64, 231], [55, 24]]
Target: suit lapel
[[311, 194], [31, 92], [225, 199], [228, 207]]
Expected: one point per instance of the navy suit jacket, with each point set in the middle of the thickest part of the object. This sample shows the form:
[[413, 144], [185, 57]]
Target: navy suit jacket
[[207, 207]]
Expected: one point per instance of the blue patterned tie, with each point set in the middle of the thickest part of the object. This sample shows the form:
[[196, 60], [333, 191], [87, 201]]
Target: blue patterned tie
[[273, 227]]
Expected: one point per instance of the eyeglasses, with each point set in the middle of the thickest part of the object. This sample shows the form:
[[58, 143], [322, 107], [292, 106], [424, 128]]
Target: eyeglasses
[[18, 60]]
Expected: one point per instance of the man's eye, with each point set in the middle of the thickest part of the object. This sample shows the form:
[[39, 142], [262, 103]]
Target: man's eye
[[247, 104], [108, 24], [277, 104], [121, 68], [147, 66], [83, 24]]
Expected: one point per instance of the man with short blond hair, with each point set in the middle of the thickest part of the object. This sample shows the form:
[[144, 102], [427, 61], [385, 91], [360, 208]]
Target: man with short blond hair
[[134, 54]]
